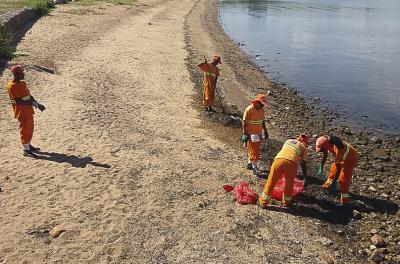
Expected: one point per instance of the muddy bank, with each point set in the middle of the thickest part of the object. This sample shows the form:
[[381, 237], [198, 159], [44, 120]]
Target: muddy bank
[[376, 186]]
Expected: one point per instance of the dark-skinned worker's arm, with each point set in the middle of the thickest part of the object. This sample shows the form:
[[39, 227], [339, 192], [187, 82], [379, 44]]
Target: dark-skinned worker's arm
[[266, 135], [303, 165], [321, 166], [36, 104]]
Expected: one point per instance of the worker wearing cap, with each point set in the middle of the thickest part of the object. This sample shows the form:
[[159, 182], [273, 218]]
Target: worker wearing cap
[[346, 158], [286, 162], [253, 126], [22, 103], [211, 73]]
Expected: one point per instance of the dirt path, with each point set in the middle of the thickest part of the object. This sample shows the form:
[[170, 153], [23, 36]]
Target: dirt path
[[128, 171]]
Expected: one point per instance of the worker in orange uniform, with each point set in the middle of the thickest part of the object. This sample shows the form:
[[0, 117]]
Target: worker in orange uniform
[[253, 126], [22, 103], [211, 73], [346, 158], [286, 162]]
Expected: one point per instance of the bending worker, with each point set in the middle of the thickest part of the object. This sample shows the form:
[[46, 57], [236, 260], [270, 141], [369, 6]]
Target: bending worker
[[22, 102], [253, 125], [346, 158], [285, 164], [211, 73]]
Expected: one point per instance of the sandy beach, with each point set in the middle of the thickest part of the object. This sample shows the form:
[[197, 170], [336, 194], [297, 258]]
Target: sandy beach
[[131, 170]]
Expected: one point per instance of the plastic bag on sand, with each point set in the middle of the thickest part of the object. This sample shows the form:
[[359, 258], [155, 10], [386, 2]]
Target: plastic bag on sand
[[242, 193], [279, 189]]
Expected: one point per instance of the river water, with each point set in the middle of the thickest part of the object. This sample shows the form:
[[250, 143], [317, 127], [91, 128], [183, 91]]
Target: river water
[[346, 52]]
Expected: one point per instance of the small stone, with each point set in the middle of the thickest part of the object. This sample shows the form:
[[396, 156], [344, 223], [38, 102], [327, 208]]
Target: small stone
[[56, 231], [384, 195], [380, 154], [378, 241], [397, 140], [376, 140], [373, 247], [325, 241], [328, 259], [7, 178], [378, 255], [357, 215], [371, 189], [374, 231], [315, 135]]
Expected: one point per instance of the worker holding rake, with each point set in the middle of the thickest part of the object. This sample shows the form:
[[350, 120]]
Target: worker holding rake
[[211, 73]]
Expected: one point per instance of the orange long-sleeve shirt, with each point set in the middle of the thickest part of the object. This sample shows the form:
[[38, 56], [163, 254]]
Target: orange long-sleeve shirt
[[19, 90]]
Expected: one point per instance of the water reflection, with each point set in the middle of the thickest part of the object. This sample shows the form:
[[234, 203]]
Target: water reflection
[[345, 51]]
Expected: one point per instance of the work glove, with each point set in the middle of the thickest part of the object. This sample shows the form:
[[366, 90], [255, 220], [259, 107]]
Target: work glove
[[41, 107], [244, 138], [266, 135], [319, 173]]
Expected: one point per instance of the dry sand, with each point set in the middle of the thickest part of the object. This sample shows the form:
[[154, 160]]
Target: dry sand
[[129, 172]]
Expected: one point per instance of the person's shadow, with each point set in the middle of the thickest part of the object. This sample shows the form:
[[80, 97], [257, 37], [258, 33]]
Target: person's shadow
[[317, 203], [75, 161]]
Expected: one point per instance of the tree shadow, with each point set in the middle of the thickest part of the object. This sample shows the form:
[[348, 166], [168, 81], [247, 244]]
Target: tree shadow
[[317, 203], [75, 161]]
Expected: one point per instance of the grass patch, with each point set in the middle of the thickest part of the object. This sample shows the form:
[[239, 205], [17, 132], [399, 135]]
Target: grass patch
[[43, 6], [6, 51]]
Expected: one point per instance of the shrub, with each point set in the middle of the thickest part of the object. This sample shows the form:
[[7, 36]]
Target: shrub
[[6, 52], [44, 6]]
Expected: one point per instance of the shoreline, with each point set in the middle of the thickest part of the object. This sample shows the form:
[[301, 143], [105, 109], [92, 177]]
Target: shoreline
[[291, 114]]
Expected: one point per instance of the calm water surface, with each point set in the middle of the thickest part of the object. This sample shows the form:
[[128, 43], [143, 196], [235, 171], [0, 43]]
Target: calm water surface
[[347, 52]]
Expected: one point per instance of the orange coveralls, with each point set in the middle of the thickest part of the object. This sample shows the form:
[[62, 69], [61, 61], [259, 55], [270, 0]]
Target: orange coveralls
[[347, 158], [211, 72], [24, 113], [285, 165], [254, 119]]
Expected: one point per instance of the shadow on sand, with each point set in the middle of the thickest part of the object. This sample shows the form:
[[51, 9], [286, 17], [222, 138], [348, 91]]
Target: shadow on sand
[[75, 161], [316, 203]]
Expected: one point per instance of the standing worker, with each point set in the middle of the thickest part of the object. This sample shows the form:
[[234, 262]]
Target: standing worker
[[346, 158], [286, 162], [22, 103], [253, 125], [211, 73]]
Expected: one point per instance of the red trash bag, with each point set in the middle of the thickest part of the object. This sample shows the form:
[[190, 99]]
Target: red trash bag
[[243, 193], [279, 189]]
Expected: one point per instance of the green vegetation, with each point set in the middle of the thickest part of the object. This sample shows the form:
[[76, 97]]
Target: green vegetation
[[6, 52], [43, 6]]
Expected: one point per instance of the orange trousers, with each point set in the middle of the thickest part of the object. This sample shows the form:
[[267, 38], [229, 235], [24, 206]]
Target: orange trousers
[[208, 93], [280, 168], [26, 128], [253, 150], [345, 176]]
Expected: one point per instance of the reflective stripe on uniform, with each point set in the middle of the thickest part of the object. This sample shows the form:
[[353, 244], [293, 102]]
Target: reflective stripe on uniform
[[210, 74], [26, 98], [13, 102], [264, 196], [255, 122], [347, 151], [298, 151], [345, 195]]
